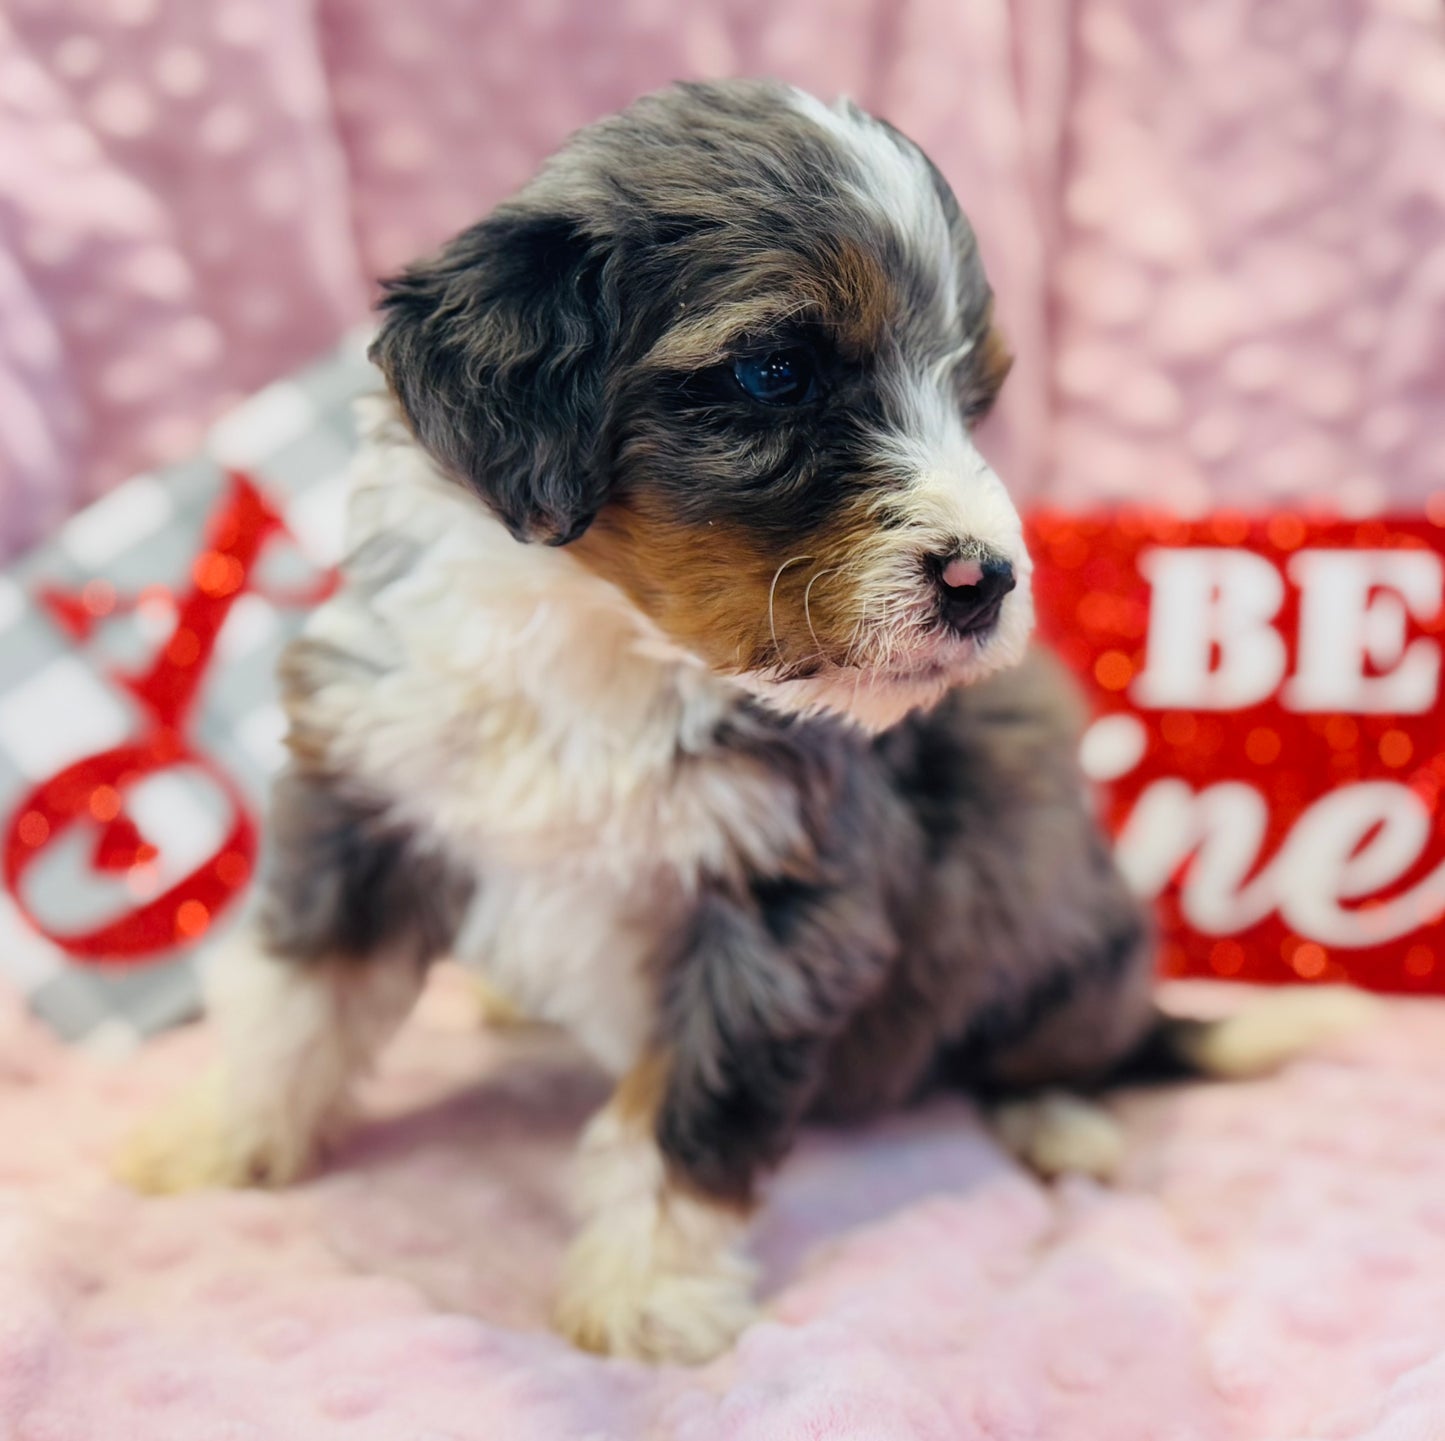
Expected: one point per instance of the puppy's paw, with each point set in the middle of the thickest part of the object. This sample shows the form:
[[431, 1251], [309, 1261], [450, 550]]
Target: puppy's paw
[[1055, 1133], [192, 1144], [609, 1305]]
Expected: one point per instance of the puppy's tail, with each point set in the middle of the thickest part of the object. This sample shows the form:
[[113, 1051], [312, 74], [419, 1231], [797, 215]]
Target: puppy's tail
[[1055, 1131], [1268, 1030]]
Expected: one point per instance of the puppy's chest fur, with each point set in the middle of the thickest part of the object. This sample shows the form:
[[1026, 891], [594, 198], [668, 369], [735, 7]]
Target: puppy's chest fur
[[512, 711]]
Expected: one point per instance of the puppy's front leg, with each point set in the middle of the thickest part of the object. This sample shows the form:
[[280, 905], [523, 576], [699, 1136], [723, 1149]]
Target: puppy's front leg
[[293, 1036], [667, 1170], [353, 905], [656, 1271]]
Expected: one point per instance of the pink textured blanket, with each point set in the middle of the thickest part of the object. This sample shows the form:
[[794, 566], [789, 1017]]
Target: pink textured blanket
[[1273, 1267]]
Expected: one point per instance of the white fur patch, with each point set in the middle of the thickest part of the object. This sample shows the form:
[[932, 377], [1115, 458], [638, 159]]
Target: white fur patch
[[566, 945], [952, 500], [1058, 1134], [897, 185], [654, 1272], [528, 717], [1275, 1027], [293, 1036]]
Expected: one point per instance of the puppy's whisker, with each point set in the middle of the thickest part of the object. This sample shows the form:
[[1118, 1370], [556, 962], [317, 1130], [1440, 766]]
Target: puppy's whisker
[[807, 614], [772, 597], [859, 633], [855, 643]]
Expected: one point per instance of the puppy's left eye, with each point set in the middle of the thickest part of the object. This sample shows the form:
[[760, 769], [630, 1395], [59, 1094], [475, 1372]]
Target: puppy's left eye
[[782, 377]]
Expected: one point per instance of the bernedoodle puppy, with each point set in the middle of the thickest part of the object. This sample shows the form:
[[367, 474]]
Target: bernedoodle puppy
[[680, 682]]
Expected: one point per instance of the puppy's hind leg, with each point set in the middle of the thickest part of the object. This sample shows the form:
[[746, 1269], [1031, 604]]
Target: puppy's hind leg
[[351, 911], [1111, 1032], [1054, 1131], [1045, 1051]]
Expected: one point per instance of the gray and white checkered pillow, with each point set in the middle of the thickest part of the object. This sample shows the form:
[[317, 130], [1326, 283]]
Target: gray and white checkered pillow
[[58, 702]]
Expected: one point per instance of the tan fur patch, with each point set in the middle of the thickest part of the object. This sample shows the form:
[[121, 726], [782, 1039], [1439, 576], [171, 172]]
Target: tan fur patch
[[639, 1093], [849, 295], [308, 737], [865, 300], [726, 595], [994, 361]]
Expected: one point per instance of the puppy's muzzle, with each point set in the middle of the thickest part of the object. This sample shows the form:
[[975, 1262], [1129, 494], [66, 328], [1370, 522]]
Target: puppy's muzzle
[[971, 591]]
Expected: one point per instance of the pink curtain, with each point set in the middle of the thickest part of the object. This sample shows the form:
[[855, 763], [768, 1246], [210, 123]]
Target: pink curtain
[[1217, 230]]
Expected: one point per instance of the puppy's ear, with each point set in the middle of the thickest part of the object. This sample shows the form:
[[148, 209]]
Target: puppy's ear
[[497, 349]]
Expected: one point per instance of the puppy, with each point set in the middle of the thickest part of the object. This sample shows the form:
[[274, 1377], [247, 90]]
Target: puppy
[[680, 682]]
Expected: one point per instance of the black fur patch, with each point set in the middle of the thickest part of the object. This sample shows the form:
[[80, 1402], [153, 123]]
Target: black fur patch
[[1163, 1053], [1010, 1018], [746, 1024], [497, 350], [343, 880], [766, 976], [935, 775]]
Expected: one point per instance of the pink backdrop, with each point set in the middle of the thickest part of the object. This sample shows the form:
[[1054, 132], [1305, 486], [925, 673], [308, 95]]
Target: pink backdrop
[[1217, 230]]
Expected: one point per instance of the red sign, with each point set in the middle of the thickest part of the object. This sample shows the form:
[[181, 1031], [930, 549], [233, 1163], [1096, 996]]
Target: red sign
[[1270, 733]]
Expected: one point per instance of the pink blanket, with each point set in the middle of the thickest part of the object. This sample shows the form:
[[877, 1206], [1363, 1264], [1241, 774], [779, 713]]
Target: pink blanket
[[1273, 1267]]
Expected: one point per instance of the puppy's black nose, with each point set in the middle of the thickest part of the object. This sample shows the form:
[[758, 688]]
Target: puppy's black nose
[[971, 591]]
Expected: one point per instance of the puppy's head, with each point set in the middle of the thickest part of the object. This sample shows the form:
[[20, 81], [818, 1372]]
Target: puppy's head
[[728, 347]]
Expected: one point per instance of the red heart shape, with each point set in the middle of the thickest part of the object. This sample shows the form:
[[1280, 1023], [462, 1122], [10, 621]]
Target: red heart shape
[[122, 846]]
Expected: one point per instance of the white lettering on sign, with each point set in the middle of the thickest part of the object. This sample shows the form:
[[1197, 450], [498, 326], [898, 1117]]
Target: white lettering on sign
[[1213, 643], [1220, 831], [1350, 844], [1355, 606]]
